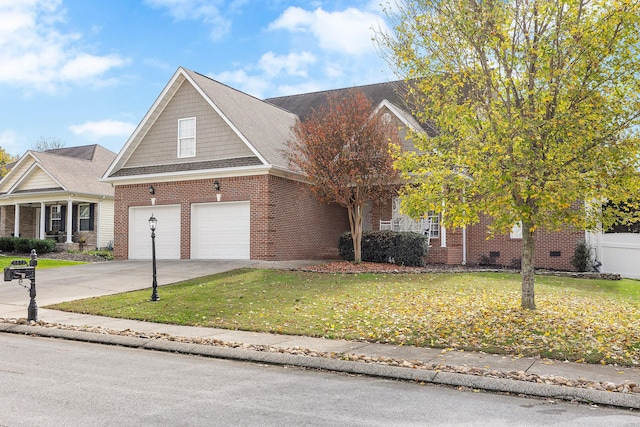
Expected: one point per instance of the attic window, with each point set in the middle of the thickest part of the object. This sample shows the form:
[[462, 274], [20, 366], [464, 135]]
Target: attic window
[[187, 137]]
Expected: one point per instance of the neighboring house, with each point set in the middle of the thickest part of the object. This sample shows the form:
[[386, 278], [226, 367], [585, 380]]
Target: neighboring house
[[208, 161], [58, 194]]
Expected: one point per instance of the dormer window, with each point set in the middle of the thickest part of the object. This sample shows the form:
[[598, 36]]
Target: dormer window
[[187, 137]]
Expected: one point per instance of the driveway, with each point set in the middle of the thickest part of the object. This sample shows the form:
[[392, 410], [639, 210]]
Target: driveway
[[54, 285]]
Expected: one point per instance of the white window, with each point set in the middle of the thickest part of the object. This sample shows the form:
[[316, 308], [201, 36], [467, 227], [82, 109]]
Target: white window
[[187, 137], [56, 217], [516, 231], [84, 217], [434, 218]]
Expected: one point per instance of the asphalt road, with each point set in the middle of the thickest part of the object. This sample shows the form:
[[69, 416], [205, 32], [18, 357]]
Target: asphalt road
[[52, 382]]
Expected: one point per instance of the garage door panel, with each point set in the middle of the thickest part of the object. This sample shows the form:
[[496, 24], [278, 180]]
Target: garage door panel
[[220, 230], [167, 232]]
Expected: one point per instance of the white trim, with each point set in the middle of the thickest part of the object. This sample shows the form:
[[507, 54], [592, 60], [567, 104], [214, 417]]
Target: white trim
[[208, 173], [396, 112]]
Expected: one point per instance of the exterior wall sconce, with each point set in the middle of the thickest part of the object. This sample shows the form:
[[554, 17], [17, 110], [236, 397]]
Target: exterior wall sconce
[[152, 191], [216, 186]]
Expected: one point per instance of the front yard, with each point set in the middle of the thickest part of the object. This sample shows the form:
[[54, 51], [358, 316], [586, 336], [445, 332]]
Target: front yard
[[594, 321]]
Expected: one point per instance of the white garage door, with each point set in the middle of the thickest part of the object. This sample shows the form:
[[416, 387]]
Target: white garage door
[[167, 232], [220, 230]]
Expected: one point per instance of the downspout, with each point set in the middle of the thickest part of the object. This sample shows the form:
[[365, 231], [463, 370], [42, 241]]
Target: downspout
[[464, 245]]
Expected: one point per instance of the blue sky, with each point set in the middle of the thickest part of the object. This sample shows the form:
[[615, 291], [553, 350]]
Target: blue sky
[[87, 71]]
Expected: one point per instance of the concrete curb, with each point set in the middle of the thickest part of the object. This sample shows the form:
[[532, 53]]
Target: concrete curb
[[624, 400]]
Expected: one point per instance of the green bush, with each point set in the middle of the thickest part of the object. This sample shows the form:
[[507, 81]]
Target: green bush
[[6, 244], [581, 259], [22, 245], [387, 247], [42, 246]]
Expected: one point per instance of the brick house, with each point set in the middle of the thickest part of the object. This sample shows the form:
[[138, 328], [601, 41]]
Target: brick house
[[57, 194], [208, 162]]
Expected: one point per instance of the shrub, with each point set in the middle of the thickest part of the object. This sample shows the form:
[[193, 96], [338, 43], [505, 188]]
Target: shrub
[[42, 246], [23, 246], [581, 259], [6, 244], [486, 261], [387, 246]]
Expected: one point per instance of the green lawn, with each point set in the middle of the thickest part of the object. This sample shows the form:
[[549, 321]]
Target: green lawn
[[5, 261], [595, 321]]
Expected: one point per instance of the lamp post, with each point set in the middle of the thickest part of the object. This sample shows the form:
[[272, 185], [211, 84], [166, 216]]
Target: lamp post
[[153, 222]]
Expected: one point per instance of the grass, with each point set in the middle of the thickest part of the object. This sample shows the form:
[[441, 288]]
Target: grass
[[5, 261], [594, 321]]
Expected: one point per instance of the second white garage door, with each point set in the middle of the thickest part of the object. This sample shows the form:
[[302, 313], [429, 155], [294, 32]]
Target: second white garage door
[[167, 232], [220, 230]]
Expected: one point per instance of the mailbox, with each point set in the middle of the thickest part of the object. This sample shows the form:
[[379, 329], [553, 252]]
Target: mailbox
[[19, 270]]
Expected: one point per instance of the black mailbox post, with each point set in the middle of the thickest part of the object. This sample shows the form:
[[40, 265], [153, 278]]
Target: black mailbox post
[[19, 270]]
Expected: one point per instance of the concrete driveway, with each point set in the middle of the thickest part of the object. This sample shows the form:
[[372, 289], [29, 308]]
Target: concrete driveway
[[54, 285]]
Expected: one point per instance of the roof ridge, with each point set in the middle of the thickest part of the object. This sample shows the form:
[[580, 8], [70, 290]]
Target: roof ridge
[[335, 90]]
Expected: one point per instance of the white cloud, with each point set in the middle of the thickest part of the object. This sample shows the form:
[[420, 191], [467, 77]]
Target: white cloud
[[34, 53], [206, 11], [12, 143], [241, 80], [103, 128], [293, 64], [348, 32]]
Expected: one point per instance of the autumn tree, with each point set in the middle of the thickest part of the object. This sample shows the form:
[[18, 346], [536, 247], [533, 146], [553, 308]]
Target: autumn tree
[[343, 150], [47, 143], [537, 106], [5, 160]]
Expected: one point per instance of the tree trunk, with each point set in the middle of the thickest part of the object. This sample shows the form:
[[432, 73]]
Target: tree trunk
[[355, 222], [528, 245]]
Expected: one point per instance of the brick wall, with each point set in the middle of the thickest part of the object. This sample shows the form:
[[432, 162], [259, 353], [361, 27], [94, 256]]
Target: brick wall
[[286, 222], [302, 228], [507, 250]]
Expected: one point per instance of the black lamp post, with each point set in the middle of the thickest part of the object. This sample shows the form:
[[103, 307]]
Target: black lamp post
[[153, 222]]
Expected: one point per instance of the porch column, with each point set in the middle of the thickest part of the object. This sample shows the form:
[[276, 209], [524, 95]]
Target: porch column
[[42, 221], [16, 222], [69, 221]]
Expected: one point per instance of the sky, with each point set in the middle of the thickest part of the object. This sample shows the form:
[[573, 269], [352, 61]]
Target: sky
[[87, 71]]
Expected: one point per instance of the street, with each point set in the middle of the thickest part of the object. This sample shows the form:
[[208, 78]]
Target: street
[[52, 382]]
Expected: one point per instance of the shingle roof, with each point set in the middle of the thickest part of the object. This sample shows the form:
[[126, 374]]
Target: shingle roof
[[265, 126], [304, 104], [78, 169], [395, 92], [85, 152]]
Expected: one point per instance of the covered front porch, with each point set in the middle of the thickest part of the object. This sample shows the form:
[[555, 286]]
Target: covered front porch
[[65, 222]]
